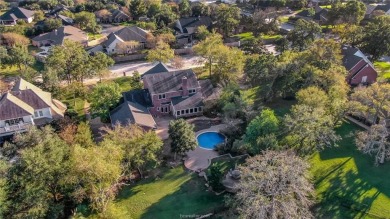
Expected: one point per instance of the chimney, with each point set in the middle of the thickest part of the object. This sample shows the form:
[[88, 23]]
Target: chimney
[[184, 86]]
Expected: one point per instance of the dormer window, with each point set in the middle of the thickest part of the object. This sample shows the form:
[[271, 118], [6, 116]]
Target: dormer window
[[161, 96], [38, 113], [192, 91]]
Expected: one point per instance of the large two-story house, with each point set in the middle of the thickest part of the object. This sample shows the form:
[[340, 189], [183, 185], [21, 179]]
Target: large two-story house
[[360, 68], [177, 93], [25, 105]]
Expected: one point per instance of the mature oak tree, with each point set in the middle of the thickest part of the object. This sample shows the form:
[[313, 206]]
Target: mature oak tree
[[273, 185]]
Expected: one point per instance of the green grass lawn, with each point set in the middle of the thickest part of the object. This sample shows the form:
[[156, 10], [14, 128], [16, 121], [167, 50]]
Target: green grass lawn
[[348, 183], [201, 72], [245, 36], [271, 37], [92, 36], [383, 69], [123, 82], [175, 193]]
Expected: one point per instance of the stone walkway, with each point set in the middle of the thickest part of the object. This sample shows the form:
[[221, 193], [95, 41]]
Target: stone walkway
[[199, 159]]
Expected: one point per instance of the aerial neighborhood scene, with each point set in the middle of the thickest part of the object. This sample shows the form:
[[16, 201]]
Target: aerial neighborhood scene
[[194, 109]]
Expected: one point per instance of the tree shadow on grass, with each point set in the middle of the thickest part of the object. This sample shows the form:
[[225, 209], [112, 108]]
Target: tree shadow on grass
[[190, 199], [347, 197]]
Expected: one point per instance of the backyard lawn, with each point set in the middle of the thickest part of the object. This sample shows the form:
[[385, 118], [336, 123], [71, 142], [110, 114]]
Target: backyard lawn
[[175, 193], [348, 183]]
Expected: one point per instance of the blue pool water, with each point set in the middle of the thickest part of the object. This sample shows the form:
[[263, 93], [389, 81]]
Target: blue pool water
[[209, 140]]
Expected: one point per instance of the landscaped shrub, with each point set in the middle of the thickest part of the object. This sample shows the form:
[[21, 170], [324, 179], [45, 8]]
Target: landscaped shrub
[[215, 177]]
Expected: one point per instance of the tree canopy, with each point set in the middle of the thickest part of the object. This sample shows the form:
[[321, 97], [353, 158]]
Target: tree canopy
[[182, 136], [273, 185]]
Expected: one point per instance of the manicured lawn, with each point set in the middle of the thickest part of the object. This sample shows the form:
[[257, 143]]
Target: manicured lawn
[[202, 72], [383, 69], [348, 183], [175, 193], [245, 36], [123, 82], [76, 104], [92, 36], [271, 37]]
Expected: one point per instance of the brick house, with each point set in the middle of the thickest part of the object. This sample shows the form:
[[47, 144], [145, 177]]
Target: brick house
[[177, 93], [360, 68]]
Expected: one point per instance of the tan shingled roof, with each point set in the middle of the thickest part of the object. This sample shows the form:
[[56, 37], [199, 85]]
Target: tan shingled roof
[[11, 107]]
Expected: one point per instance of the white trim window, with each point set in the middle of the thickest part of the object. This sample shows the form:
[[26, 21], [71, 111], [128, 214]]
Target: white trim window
[[38, 113], [161, 96], [192, 91]]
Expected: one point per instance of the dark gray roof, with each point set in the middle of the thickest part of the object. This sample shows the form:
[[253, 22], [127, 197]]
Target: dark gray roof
[[111, 38], [170, 81], [349, 57], [158, 68], [66, 20], [370, 9], [141, 97], [207, 87], [189, 24], [17, 13], [384, 8], [132, 113], [132, 33], [194, 100]]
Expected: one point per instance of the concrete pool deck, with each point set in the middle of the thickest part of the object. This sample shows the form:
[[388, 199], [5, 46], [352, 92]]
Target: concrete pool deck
[[199, 159]]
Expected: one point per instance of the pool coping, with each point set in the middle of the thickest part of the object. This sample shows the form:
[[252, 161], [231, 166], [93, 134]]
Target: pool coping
[[202, 132]]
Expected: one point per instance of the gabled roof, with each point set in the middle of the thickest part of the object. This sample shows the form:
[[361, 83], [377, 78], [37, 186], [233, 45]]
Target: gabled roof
[[384, 8], [158, 68], [58, 35], [132, 33], [111, 38], [132, 113], [118, 14], [65, 19], [169, 81], [17, 13], [190, 24], [11, 107], [35, 98], [141, 97], [370, 9], [349, 57]]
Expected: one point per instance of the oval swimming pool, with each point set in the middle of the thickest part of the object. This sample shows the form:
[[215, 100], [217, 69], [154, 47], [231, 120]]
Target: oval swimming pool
[[209, 140]]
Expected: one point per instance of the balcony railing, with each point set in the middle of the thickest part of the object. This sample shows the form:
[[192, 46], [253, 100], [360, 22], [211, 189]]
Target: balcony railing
[[14, 128]]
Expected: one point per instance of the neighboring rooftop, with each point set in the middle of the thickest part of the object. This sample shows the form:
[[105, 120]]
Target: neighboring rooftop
[[132, 33], [158, 68], [190, 24], [57, 36], [17, 13]]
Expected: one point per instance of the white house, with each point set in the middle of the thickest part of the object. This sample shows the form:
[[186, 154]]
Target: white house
[[25, 105], [125, 34]]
